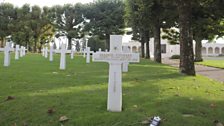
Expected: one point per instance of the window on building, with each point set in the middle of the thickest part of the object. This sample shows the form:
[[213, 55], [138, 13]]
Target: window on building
[[163, 48]]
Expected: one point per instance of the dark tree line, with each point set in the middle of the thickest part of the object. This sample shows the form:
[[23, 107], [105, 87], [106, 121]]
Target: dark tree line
[[195, 19]]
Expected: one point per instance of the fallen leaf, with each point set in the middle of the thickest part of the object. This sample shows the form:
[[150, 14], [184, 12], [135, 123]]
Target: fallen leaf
[[50, 111], [25, 124], [188, 115], [63, 119], [217, 123], [10, 98], [212, 105], [135, 106], [145, 122]]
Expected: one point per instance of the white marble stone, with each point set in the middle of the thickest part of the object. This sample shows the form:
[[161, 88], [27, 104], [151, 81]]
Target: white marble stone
[[115, 58], [125, 64], [21, 51], [7, 50], [17, 52], [43, 51], [24, 51], [88, 52], [72, 53], [46, 52], [63, 57], [99, 50], [51, 57], [84, 53]]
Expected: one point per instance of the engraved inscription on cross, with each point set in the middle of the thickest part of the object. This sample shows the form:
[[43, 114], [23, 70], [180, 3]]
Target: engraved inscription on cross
[[115, 58]]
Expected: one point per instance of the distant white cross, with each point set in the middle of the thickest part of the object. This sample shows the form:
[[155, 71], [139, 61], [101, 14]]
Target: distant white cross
[[7, 50], [125, 64], [88, 52]]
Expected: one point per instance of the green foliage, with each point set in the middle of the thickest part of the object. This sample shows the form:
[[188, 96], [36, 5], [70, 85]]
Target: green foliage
[[68, 21], [172, 35], [105, 17], [213, 63], [95, 43], [7, 14], [175, 57]]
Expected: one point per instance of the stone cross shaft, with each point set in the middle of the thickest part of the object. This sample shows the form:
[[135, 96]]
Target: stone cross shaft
[[63, 57], [17, 52]]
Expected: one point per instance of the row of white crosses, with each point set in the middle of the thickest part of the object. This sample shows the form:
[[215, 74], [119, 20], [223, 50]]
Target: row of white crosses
[[18, 52], [115, 58], [62, 51]]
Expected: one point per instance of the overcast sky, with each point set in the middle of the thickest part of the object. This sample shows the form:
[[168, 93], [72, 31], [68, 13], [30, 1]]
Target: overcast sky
[[44, 2]]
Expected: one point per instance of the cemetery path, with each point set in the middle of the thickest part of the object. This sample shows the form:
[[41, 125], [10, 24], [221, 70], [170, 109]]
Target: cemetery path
[[210, 72]]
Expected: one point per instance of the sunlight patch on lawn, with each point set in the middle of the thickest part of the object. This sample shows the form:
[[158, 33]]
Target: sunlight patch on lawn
[[64, 90]]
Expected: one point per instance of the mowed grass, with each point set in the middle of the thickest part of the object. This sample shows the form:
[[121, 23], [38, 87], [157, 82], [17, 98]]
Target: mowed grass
[[213, 63], [80, 93]]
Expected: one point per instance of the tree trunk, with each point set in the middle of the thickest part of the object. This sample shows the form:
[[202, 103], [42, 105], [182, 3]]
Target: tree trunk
[[198, 50], [142, 47], [157, 42], [186, 40], [35, 46], [2, 42], [107, 45], [69, 43], [146, 39]]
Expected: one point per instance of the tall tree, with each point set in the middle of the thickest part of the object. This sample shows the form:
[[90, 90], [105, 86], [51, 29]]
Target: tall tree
[[186, 37], [68, 21], [7, 15], [137, 16], [105, 18]]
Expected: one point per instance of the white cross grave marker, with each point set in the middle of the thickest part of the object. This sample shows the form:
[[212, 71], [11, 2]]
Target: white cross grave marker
[[63, 57], [51, 58], [24, 51], [43, 51], [46, 52], [7, 50], [125, 64], [21, 51], [84, 53], [72, 53], [115, 58], [17, 52], [88, 52]]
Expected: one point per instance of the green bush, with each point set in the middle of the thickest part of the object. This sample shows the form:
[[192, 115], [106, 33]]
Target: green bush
[[175, 57]]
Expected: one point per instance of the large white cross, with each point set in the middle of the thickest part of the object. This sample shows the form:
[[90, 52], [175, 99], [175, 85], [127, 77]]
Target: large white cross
[[7, 50], [115, 58]]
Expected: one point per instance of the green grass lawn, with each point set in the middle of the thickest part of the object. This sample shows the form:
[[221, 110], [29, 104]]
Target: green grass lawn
[[213, 63], [80, 93]]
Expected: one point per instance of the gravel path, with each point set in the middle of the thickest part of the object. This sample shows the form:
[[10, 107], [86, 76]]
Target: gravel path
[[210, 72]]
